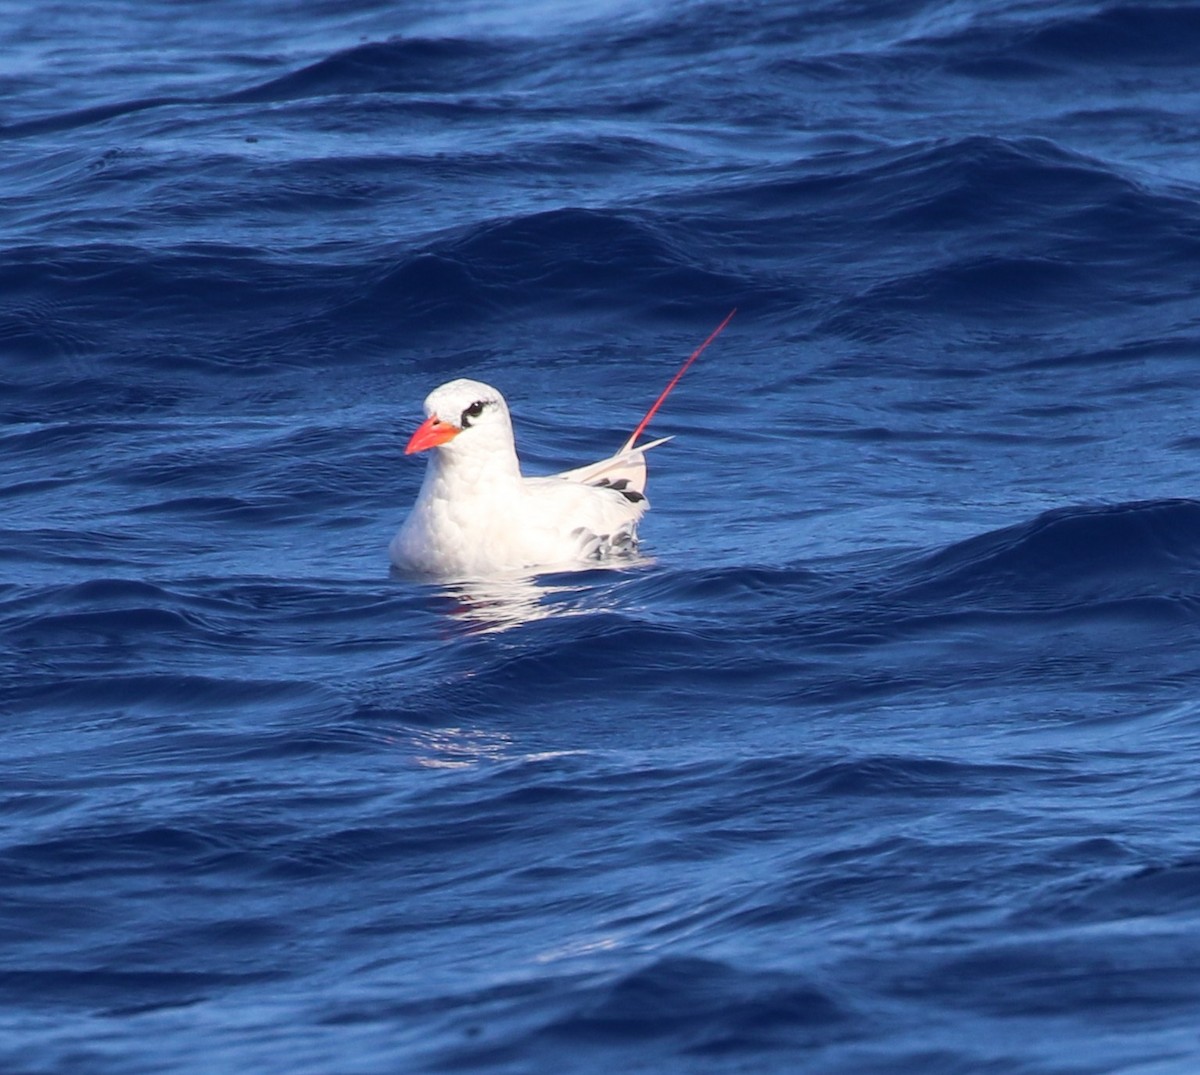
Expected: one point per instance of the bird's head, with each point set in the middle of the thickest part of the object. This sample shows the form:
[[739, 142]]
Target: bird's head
[[463, 416]]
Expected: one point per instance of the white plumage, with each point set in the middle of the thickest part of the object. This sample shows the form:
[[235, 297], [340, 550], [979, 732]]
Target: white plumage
[[477, 516]]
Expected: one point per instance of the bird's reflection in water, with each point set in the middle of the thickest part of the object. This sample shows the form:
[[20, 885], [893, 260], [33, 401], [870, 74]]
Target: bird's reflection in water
[[459, 748], [470, 748], [501, 604]]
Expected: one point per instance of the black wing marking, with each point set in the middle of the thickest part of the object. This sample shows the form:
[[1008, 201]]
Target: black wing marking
[[621, 486]]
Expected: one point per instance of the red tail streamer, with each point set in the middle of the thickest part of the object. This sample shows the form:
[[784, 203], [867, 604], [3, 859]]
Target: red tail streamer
[[675, 380]]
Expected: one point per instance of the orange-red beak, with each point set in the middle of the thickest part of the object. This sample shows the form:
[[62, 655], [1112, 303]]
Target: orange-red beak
[[430, 433]]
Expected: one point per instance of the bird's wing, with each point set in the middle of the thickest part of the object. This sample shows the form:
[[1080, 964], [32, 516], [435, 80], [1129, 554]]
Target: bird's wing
[[627, 466]]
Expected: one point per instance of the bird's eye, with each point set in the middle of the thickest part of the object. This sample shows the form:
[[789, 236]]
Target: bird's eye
[[473, 411]]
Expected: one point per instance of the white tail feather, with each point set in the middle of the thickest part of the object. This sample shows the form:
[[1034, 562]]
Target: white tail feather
[[629, 464]]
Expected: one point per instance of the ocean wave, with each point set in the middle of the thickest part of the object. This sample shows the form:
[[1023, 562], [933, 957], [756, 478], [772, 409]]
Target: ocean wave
[[71, 988], [563, 261], [396, 66], [701, 1006], [1070, 557], [1156, 34], [1056, 976]]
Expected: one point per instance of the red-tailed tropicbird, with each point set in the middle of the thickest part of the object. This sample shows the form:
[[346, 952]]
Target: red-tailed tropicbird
[[477, 516]]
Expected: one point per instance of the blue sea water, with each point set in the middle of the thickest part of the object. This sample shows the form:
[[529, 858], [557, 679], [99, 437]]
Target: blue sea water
[[884, 757]]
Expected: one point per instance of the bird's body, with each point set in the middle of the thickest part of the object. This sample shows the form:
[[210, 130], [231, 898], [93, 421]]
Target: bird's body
[[477, 516]]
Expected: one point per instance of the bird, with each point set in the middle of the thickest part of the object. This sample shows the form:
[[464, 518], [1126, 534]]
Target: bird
[[478, 517]]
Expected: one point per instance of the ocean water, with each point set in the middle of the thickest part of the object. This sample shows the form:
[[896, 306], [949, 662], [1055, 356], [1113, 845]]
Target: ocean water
[[883, 758]]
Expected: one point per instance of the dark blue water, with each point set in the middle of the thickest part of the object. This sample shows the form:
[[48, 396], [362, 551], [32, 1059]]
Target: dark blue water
[[885, 760]]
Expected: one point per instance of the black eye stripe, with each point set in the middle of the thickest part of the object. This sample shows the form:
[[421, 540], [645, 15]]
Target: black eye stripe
[[473, 411]]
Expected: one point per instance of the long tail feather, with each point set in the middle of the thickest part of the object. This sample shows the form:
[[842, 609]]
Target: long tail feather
[[675, 380]]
